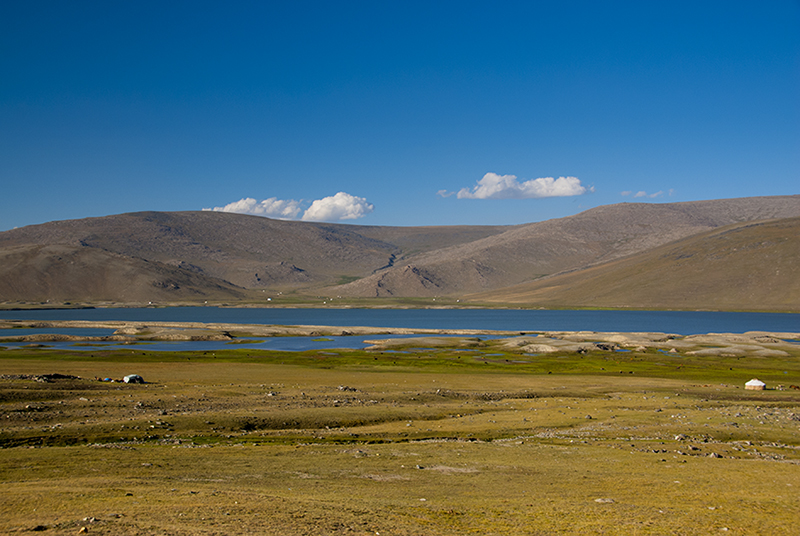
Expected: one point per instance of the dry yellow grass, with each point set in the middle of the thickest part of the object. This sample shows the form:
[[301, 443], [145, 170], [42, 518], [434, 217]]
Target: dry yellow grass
[[253, 448]]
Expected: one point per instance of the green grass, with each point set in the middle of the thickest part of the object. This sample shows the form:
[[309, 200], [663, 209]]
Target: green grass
[[491, 358], [344, 279]]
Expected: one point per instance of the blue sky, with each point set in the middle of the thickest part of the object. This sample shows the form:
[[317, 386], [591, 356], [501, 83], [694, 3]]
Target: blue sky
[[404, 113]]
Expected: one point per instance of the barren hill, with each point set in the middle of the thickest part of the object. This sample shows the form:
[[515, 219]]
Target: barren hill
[[63, 273], [192, 256], [528, 252], [217, 252], [248, 251], [754, 266]]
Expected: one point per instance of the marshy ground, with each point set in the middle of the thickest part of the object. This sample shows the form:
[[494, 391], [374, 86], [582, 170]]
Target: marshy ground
[[552, 435]]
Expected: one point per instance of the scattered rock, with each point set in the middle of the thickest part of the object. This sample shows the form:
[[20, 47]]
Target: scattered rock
[[41, 378], [607, 346], [539, 349]]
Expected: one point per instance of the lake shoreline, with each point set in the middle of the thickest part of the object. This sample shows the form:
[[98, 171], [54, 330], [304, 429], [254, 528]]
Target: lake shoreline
[[751, 343], [372, 306], [317, 321]]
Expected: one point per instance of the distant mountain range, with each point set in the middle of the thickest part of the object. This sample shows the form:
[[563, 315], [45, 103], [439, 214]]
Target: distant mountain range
[[741, 254]]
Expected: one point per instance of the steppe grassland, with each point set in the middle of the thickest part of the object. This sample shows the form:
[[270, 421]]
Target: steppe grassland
[[445, 442]]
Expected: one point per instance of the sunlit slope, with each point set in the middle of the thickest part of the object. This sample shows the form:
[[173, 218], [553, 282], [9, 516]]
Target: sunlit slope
[[753, 266], [527, 252]]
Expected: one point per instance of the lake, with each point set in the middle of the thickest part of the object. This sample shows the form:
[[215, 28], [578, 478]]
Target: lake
[[679, 322]]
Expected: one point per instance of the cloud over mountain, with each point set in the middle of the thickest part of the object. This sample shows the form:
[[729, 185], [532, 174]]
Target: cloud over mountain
[[341, 206], [494, 186], [642, 193], [284, 209]]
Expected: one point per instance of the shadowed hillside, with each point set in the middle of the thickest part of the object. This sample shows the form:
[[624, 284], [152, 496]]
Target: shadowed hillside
[[744, 266], [62, 273], [247, 251]]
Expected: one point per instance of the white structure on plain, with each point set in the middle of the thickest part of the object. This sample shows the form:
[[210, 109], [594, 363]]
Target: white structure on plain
[[755, 385], [133, 378]]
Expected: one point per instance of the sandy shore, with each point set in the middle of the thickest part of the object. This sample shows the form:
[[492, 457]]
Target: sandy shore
[[196, 331], [753, 343]]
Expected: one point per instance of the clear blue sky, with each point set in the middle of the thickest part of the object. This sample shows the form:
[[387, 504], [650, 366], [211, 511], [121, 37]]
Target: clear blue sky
[[403, 107]]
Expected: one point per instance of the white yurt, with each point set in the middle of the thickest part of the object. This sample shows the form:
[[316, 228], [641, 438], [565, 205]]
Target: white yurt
[[755, 385]]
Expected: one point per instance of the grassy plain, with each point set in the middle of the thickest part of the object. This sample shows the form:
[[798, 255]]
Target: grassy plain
[[461, 439]]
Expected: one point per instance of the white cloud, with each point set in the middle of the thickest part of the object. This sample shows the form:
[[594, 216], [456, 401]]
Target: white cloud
[[341, 206], [642, 193], [651, 196], [494, 186], [285, 209]]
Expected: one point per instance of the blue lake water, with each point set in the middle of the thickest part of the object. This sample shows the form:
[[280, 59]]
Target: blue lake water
[[680, 322]]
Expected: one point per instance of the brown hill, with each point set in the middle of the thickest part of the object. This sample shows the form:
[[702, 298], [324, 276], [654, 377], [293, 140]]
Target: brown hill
[[63, 273], [212, 255], [247, 251], [528, 252], [753, 266]]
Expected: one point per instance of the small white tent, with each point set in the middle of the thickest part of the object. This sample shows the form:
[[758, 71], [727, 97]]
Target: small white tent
[[133, 378], [755, 385]]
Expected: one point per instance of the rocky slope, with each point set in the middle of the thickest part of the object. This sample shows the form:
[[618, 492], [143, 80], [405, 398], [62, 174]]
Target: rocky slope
[[62, 273], [247, 251]]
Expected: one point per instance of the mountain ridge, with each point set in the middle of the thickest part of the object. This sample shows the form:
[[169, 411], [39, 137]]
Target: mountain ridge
[[205, 255]]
